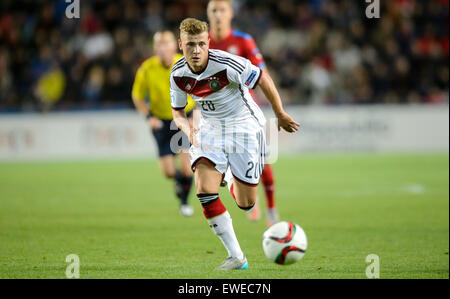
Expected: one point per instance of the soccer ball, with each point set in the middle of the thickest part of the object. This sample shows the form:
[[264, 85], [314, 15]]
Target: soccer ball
[[284, 243]]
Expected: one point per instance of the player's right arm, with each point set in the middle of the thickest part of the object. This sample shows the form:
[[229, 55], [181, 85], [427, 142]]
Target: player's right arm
[[182, 122], [178, 99], [138, 95]]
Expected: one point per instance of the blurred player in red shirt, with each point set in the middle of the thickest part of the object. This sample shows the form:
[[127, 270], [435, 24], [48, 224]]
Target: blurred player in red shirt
[[223, 37]]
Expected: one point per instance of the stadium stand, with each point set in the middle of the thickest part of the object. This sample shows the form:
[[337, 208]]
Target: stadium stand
[[319, 51]]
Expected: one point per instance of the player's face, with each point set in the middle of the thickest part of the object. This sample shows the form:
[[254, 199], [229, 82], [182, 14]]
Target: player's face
[[220, 14], [195, 49], [165, 45]]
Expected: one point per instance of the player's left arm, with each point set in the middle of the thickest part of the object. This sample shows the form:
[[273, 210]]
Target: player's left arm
[[251, 76], [285, 121]]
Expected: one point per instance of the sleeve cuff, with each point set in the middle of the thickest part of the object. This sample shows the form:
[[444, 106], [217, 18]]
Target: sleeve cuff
[[179, 108], [257, 80]]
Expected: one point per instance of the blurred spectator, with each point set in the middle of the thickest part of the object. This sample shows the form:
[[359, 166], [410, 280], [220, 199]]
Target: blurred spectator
[[319, 51], [92, 89], [50, 87]]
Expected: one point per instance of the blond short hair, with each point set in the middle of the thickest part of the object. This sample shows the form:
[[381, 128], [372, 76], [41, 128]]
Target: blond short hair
[[193, 26], [229, 1]]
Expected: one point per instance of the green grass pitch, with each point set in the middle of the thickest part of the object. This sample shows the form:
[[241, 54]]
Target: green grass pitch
[[121, 218]]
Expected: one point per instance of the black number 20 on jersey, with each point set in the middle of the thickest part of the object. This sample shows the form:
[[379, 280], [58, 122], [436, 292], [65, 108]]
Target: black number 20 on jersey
[[208, 106]]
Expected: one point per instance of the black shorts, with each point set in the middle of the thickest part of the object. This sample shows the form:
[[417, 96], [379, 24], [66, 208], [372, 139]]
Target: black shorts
[[164, 136]]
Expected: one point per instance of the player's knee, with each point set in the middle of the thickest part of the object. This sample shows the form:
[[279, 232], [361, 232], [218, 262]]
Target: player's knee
[[168, 174], [186, 172]]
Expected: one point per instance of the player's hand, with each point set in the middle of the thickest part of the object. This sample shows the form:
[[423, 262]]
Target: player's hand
[[155, 123], [287, 123]]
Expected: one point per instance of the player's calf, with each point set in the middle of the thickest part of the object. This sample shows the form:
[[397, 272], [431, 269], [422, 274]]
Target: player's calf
[[207, 178], [244, 195]]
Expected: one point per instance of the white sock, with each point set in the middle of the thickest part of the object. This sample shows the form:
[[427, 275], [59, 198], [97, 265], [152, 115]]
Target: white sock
[[222, 226]]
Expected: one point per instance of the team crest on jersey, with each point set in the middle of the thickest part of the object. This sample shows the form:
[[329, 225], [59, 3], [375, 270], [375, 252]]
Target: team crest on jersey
[[205, 87], [214, 84]]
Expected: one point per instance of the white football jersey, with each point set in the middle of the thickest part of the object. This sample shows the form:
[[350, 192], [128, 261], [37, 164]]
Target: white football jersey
[[221, 90]]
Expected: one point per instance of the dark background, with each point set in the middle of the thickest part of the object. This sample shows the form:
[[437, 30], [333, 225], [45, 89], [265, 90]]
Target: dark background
[[318, 51]]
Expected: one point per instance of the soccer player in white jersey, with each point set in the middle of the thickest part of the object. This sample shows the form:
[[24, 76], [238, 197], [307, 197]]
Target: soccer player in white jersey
[[231, 129]]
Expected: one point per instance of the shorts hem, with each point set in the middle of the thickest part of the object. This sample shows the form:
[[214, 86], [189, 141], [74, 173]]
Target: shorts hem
[[244, 182], [199, 159], [166, 154]]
